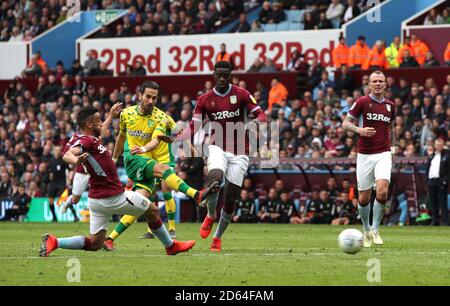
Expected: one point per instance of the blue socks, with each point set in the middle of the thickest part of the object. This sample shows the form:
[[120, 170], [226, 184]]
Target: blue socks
[[378, 214], [163, 235], [364, 213], [71, 243]]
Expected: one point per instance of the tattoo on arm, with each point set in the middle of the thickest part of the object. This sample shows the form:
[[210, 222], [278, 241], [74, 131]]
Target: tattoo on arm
[[349, 124]]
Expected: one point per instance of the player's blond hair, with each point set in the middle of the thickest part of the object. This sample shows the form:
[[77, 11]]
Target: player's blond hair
[[378, 72]]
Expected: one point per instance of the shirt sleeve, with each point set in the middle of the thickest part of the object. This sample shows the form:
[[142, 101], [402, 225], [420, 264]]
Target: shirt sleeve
[[86, 144], [160, 129], [356, 109]]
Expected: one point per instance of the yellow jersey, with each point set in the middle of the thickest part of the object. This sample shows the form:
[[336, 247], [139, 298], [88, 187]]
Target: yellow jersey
[[140, 129]]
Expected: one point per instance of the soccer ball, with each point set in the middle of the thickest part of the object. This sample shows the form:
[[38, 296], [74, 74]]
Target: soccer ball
[[350, 241]]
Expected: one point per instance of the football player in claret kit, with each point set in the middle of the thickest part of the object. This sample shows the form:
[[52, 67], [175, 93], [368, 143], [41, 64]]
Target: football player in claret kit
[[226, 107], [106, 194], [81, 176], [374, 114]]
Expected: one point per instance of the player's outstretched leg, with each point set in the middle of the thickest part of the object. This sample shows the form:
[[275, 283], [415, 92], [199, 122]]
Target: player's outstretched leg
[[124, 223], [155, 223], [50, 243], [214, 175], [174, 182], [231, 194]]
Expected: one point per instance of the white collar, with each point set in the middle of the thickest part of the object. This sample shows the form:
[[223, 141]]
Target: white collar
[[224, 94]]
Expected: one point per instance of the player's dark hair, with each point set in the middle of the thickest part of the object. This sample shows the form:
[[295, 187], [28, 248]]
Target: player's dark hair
[[148, 84], [223, 65], [84, 115]]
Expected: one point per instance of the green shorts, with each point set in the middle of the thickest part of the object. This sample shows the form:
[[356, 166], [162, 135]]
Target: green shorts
[[137, 170]]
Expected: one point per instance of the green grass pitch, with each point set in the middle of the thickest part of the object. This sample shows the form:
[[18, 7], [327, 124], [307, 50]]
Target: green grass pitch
[[258, 254]]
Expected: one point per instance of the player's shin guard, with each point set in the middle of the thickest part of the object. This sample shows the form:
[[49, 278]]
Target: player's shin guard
[[225, 219], [170, 209], [122, 226], [378, 214], [176, 183], [161, 232]]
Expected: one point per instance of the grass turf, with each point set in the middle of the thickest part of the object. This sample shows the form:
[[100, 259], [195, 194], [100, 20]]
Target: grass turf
[[258, 254]]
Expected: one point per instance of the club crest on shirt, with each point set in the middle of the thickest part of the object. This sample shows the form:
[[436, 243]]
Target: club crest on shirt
[[388, 107], [233, 99], [370, 104], [150, 123]]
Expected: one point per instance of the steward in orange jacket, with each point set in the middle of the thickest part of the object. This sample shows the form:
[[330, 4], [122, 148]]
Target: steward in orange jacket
[[359, 53], [341, 54]]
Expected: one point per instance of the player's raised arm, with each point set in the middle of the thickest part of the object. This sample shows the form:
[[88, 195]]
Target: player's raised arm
[[114, 112], [194, 125], [120, 141]]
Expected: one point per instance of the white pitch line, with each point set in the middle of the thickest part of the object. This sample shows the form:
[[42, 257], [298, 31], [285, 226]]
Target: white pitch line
[[210, 254]]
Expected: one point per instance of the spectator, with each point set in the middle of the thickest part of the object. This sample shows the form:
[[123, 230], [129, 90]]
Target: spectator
[[323, 23], [223, 55], [345, 81], [408, 61], [103, 70], [309, 21], [16, 35], [245, 209], [377, 58], [433, 18], [138, 69], [242, 26], [257, 66], [256, 27], [334, 13], [277, 14], [359, 53], [269, 212], [313, 210], [75, 69], [405, 47], [341, 54], [350, 11], [33, 69], [345, 210], [20, 207], [104, 32], [5, 185], [269, 67], [277, 93], [430, 60], [420, 49], [289, 213], [265, 13], [91, 65], [447, 55], [392, 52]]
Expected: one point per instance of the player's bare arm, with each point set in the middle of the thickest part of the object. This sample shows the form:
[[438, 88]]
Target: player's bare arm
[[75, 156], [349, 125], [118, 147], [150, 146], [114, 113]]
